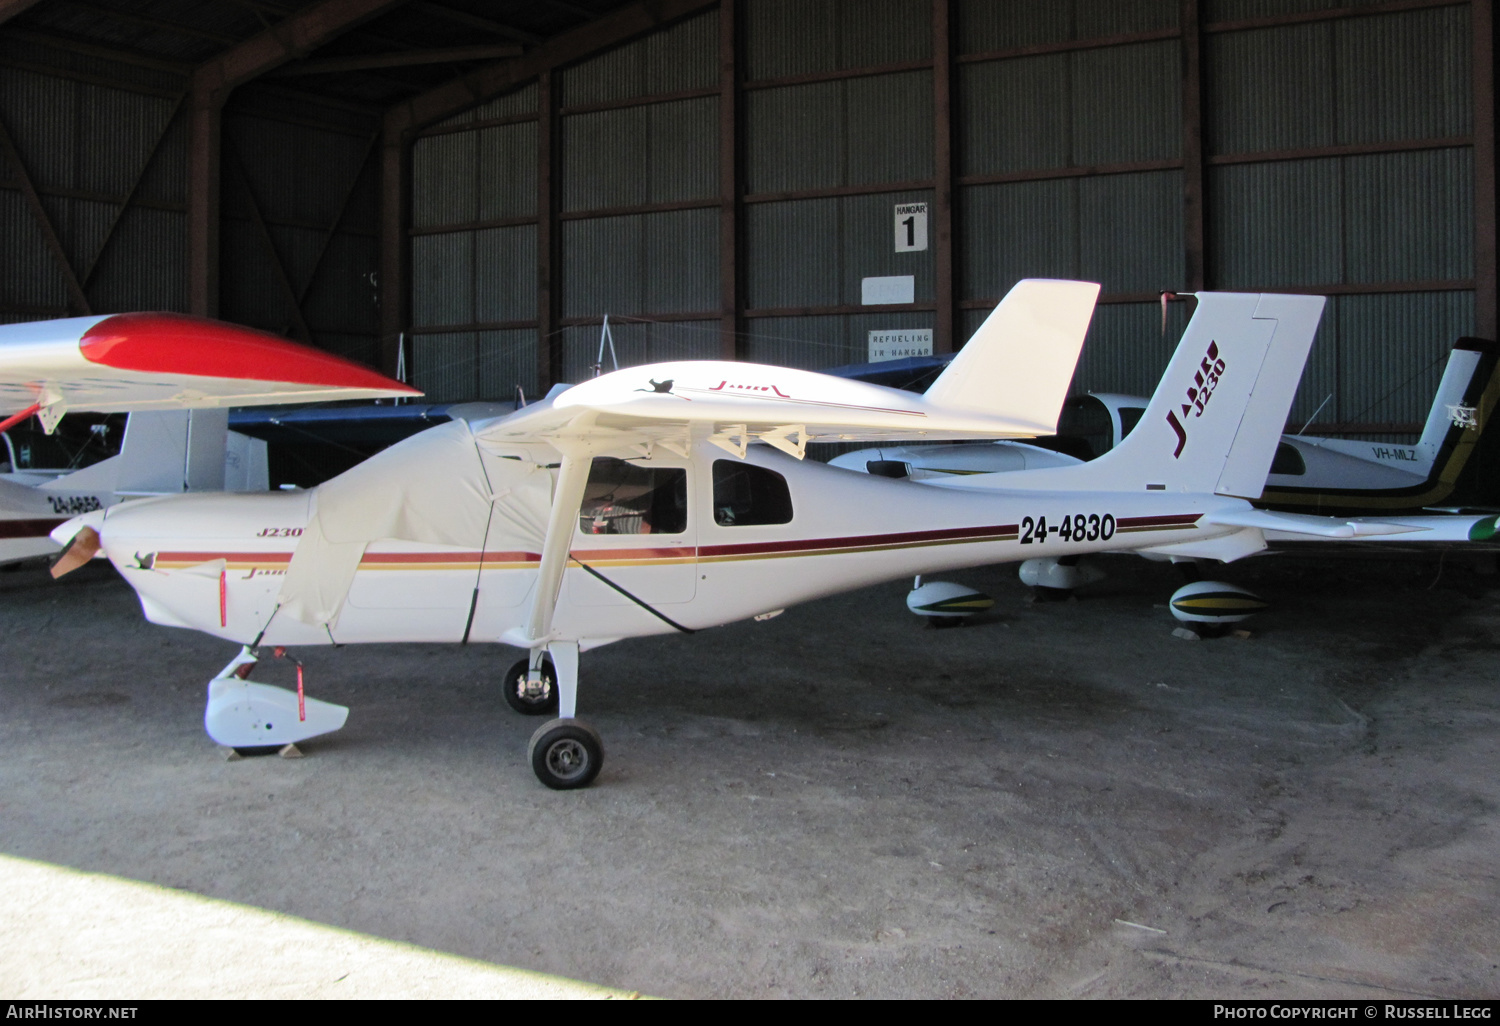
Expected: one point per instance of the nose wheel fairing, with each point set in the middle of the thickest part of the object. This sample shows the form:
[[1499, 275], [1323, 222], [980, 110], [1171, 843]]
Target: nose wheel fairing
[[246, 714]]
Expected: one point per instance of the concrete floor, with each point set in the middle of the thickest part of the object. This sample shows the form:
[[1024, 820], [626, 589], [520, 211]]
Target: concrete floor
[[1064, 800]]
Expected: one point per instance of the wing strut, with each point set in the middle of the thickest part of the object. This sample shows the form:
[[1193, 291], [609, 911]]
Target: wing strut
[[567, 497]]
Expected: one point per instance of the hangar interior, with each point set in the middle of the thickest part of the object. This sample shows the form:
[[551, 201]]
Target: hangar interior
[[464, 189], [469, 188]]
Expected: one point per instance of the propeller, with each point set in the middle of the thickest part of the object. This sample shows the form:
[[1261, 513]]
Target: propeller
[[77, 552]]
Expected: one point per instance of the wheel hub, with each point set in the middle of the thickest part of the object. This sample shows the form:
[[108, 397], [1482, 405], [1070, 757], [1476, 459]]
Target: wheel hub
[[567, 758]]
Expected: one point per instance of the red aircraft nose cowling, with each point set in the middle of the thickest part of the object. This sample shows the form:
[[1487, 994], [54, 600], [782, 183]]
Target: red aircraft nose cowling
[[167, 343]]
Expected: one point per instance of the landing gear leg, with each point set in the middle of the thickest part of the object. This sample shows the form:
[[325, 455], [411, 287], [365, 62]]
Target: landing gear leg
[[565, 753]]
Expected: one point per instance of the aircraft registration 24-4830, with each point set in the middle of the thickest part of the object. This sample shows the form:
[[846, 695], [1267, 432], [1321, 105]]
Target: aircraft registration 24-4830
[[637, 504]]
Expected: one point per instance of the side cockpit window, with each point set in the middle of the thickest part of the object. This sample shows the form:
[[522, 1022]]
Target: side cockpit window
[[746, 495], [624, 498]]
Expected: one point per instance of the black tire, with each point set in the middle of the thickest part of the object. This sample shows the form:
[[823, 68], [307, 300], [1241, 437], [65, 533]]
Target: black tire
[[515, 697], [566, 754]]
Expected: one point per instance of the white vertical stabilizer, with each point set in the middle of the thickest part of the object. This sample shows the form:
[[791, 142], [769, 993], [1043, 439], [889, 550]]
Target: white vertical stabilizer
[[1216, 418]]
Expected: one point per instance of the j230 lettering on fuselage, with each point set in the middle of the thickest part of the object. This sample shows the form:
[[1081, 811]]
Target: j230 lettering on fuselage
[[1076, 528], [280, 532], [73, 505], [1204, 383]]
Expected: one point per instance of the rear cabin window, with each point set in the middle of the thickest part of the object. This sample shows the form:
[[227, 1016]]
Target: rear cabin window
[[746, 495], [1083, 429], [1288, 461], [1086, 418], [623, 498]]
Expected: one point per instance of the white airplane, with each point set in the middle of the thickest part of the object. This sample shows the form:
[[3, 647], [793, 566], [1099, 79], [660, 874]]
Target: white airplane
[[179, 375], [1308, 473], [635, 504]]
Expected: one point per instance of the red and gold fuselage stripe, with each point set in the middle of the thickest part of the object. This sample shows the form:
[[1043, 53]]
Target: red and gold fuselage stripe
[[662, 555]]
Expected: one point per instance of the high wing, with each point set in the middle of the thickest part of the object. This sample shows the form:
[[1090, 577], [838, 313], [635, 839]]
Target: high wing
[[159, 361]]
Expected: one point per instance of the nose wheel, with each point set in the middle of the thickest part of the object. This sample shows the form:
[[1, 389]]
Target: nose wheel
[[566, 754], [531, 698]]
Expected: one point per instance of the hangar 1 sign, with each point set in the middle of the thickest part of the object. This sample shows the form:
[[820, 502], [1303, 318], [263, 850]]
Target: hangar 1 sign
[[911, 227]]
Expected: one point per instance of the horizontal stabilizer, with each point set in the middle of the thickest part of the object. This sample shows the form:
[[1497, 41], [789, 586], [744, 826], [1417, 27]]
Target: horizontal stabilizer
[[1311, 526]]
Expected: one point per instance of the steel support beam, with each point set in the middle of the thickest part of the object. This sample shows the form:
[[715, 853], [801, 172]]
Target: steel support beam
[[468, 20], [944, 335], [288, 40], [10, 8], [292, 38], [395, 188], [729, 182], [1195, 241], [205, 124], [548, 286], [1482, 15], [406, 59], [486, 83]]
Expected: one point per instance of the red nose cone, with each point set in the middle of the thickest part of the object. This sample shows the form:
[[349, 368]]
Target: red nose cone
[[166, 343]]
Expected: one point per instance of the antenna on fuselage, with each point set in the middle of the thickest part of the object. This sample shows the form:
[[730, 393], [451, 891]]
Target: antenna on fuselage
[[401, 363], [605, 336]]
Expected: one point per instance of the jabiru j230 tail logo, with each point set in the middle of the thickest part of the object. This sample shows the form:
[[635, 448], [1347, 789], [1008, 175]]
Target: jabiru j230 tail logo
[[1202, 390]]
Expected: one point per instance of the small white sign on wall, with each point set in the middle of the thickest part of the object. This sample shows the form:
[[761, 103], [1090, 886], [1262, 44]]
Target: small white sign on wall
[[901, 288], [911, 227], [900, 343]]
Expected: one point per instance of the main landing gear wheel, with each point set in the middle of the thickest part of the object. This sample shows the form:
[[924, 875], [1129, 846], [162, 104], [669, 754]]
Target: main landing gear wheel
[[566, 754], [529, 703]]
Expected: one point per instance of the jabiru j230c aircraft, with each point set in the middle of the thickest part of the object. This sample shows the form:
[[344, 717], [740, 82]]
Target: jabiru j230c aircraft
[[176, 376], [636, 504]]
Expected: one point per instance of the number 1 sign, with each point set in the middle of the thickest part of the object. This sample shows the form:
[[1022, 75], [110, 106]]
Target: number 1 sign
[[911, 227]]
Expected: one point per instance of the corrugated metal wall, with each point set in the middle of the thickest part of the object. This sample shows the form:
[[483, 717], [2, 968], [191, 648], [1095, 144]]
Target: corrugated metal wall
[[126, 259], [299, 231], [1069, 161], [470, 272], [474, 258], [1386, 222], [88, 147]]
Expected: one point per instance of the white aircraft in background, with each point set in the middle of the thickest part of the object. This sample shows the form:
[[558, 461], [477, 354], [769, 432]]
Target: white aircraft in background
[[635, 504], [1308, 473], [177, 375]]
